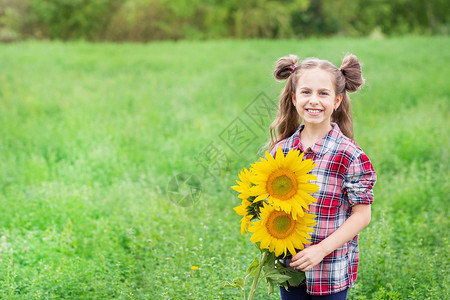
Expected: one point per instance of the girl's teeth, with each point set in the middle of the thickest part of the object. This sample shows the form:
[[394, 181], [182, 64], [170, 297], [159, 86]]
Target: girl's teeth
[[314, 111]]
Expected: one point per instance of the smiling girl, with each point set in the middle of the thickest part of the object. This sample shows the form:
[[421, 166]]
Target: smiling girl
[[314, 116]]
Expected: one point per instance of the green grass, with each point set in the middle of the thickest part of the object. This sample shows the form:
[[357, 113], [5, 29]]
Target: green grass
[[92, 136]]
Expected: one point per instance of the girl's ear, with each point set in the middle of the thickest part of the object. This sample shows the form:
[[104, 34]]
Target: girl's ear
[[338, 101], [293, 98]]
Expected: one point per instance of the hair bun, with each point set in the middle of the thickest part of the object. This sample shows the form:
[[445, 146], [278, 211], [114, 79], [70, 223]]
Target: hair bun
[[283, 68], [351, 69]]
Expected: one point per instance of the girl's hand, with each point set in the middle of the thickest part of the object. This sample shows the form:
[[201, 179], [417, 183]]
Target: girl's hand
[[306, 259]]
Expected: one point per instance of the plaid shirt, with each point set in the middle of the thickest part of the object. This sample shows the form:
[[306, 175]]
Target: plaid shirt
[[346, 177]]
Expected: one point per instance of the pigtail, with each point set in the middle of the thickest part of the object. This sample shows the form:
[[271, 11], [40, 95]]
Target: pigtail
[[283, 68], [351, 69], [287, 120], [350, 81]]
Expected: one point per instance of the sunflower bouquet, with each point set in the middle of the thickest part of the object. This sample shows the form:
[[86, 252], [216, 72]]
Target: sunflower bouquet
[[275, 194]]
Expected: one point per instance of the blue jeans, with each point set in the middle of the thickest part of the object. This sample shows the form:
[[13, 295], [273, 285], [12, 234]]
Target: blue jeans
[[299, 293]]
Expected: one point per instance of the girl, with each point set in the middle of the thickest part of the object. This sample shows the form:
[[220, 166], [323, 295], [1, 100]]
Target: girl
[[316, 93]]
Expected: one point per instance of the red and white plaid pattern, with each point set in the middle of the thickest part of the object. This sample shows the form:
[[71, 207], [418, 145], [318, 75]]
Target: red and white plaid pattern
[[346, 177]]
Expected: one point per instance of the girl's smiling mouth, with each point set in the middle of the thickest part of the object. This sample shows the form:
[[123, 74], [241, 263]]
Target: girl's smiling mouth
[[313, 112]]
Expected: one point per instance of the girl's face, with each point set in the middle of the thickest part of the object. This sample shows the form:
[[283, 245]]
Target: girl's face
[[315, 98]]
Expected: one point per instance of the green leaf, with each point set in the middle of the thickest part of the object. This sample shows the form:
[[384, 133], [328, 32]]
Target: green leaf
[[270, 270], [296, 277], [274, 275], [278, 278], [236, 283], [251, 270], [270, 260], [270, 288]]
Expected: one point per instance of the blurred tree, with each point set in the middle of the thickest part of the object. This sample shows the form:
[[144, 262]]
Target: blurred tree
[[73, 19], [146, 20], [313, 20], [139, 20], [13, 19], [360, 17], [425, 16], [263, 18]]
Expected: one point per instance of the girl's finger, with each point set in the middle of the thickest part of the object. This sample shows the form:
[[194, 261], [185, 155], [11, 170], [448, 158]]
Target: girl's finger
[[303, 266], [297, 256], [296, 263]]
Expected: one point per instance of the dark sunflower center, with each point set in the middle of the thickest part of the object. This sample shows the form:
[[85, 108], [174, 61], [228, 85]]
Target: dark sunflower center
[[280, 225], [282, 184]]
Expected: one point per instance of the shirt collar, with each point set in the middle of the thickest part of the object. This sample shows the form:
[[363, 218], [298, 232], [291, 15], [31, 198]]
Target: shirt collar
[[323, 145]]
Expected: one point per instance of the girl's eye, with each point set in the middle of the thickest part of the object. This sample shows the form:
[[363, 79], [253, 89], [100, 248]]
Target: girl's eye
[[305, 92], [324, 93]]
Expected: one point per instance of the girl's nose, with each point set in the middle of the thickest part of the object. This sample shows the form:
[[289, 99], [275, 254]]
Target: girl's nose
[[313, 99]]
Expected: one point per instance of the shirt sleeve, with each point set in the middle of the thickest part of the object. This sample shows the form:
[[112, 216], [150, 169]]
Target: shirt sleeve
[[359, 181]]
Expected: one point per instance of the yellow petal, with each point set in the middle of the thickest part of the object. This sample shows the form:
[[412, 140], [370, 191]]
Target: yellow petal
[[291, 248]]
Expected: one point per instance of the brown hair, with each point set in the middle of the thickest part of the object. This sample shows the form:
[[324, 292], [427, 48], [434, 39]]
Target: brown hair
[[347, 78]]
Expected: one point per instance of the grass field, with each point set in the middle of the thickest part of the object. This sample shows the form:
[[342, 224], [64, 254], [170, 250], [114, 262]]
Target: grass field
[[100, 145]]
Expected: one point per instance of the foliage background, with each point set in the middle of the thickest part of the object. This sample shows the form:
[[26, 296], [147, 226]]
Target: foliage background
[[147, 20], [92, 135]]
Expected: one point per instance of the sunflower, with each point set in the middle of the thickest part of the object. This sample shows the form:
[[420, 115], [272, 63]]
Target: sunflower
[[284, 181], [246, 217], [243, 187], [278, 231]]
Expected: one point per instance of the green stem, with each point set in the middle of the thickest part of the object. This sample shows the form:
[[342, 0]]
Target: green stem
[[256, 279]]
